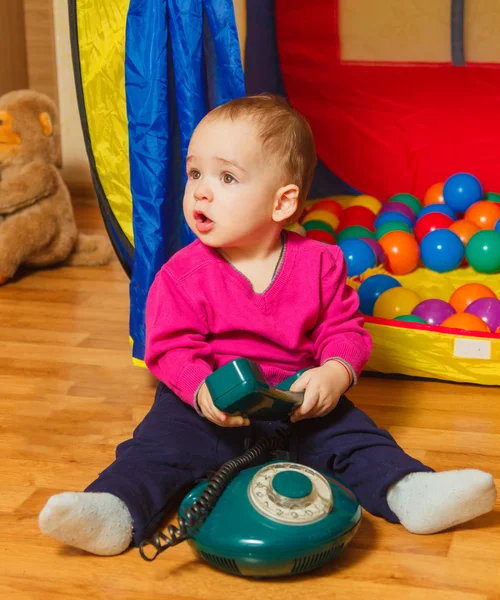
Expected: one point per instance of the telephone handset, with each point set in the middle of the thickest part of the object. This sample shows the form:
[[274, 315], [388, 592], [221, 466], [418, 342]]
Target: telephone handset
[[276, 519], [240, 387]]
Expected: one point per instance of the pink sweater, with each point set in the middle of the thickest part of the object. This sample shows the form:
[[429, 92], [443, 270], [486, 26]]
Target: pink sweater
[[202, 313]]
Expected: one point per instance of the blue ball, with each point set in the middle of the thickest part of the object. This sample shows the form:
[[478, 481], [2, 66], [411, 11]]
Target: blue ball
[[358, 256], [371, 289], [392, 216], [461, 191], [440, 208], [442, 250], [497, 226]]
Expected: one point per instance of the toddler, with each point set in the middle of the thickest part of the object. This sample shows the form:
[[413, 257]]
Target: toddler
[[248, 287]]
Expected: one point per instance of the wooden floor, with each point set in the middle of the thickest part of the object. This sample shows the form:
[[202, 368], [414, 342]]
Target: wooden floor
[[69, 394]]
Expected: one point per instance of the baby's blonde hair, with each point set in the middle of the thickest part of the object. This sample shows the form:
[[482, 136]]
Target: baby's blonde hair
[[284, 133]]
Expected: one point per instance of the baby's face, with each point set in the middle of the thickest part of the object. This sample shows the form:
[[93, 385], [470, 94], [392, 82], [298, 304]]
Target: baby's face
[[232, 184]]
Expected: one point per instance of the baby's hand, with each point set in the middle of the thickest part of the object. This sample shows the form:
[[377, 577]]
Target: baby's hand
[[323, 387], [212, 413]]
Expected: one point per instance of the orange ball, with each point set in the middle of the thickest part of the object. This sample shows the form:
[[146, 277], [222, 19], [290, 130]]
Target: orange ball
[[434, 195], [498, 330], [329, 205], [466, 322], [402, 252], [464, 229], [484, 214], [466, 294]]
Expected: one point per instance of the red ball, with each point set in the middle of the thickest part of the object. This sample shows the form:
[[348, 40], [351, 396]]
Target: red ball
[[357, 215], [431, 222], [320, 236]]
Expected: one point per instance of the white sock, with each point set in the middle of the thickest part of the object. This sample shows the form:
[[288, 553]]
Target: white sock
[[96, 522], [431, 502]]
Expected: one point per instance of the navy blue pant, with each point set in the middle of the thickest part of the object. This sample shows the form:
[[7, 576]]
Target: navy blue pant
[[174, 446]]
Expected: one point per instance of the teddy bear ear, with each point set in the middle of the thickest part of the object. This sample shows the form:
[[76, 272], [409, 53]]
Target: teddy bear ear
[[46, 123]]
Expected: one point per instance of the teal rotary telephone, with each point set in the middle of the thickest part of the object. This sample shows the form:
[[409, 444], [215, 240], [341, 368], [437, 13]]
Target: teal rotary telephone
[[262, 520]]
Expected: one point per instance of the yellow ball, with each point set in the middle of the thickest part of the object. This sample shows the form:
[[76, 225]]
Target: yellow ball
[[297, 227], [322, 215], [368, 202], [395, 302]]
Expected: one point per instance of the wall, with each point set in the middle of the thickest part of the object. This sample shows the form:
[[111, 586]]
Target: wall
[[13, 66], [76, 170]]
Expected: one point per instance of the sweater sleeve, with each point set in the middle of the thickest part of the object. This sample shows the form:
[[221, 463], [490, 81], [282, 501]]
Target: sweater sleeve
[[339, 332], [177, 351]]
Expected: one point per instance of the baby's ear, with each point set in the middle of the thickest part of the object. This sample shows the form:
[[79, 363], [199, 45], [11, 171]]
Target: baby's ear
[[46, 123], [287, 199]]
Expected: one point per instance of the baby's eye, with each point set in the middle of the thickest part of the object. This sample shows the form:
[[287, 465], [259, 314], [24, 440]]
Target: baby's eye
[[194, 174], [228, 178]]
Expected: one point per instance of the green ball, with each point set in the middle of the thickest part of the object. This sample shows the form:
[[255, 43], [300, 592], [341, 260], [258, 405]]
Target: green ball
[[483, 251], [392, 226], [355, 231], [493, 196], [411, 319], [410, 200], [319, 225]]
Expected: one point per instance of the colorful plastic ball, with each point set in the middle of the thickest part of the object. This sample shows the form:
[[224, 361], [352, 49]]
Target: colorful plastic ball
[[368, 202], [412, 201], [392, 216], [483, 251], [402, 252], [354, 232], [466, 322], [297, 228], [370, 290], [399, 207], [461, 191], [466, 294], [464, 229], [321, 236], [357, 216], [497, 330], [377, 248], [497, 226], [392, 226], [358, 256], [434, 311], [437, 208], [493, 197], [429, 223], [310, 225], [434, 195], [442, 250], [484, 214], [322, 215], [487, 309], [329, 205], [395, 302], [411, 319]]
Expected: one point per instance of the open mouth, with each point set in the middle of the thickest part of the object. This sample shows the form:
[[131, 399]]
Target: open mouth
[[203, 223]]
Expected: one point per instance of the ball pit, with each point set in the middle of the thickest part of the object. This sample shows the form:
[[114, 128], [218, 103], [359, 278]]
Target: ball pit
[[421, 266]]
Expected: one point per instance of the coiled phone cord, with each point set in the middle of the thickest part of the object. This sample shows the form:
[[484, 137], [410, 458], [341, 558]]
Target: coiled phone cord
[[200, 509]]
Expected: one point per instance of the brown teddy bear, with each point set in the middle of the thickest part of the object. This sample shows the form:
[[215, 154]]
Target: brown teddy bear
[[37, 225]]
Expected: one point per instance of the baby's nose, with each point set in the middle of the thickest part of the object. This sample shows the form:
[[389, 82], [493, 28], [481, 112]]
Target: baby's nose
[[203, 192]]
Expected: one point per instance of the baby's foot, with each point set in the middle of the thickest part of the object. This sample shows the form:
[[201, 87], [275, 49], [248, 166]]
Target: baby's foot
[[96, 522], [431, 502]]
